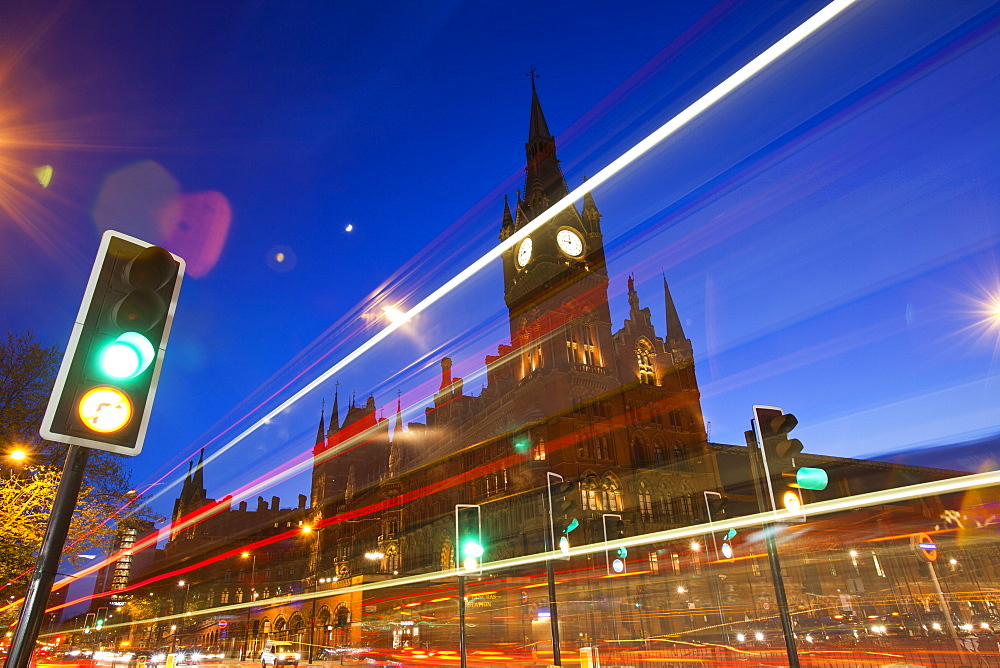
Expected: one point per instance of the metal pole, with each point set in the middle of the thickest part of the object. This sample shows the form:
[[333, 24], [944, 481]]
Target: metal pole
[[23, 642], [548, 538], [461, 621], [777, 580], [945, 608], [553, 613], [713, 577]]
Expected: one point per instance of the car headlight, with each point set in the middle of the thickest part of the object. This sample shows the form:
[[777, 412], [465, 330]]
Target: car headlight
[[197, 657]]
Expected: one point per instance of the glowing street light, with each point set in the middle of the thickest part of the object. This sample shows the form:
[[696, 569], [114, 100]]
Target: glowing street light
[[394, 315]]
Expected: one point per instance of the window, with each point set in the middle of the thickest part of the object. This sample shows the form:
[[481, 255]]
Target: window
[[602, 447], [644, 356], [239, 595], [572, 347], [667, 503], [225, 597], [589, 350], [645, 502], [539, 455], [583, 448], [654, 563], [588, 489], [392, 559], [611, 497]]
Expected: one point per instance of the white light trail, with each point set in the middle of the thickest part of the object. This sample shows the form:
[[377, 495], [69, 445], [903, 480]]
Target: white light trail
[[720, 91]]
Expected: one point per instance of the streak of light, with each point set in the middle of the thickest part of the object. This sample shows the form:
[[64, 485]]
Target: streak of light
[[705, 102], [394, 315]]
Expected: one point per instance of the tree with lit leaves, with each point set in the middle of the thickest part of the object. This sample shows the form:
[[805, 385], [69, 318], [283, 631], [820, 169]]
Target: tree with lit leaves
[[28, 484]]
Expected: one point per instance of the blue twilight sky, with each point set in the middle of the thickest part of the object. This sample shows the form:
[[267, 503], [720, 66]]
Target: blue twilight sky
[[829, 232]]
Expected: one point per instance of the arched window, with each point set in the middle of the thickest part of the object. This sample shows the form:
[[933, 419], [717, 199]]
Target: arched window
[[611, 496], [447, 556], [239, 595], [588, 348], [224, 599], [343, 616], [588, 490], [644, 356], [667, 504], [639, 453], [687, 505], [392, 558], [645, 502], [658, 459]]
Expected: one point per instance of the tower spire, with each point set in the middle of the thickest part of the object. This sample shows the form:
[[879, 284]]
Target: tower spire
[[335, 411], [321, 432], [675, 332], [507, 225], [398, 429], [198, 479], [543, 179]]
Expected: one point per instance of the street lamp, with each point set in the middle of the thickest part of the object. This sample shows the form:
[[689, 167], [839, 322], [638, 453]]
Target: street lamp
[[252, 595]]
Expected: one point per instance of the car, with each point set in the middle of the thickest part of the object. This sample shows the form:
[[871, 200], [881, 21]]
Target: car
[[279, 653]]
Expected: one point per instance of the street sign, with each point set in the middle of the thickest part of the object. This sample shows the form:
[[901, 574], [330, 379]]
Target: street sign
[[223, 623], [924, 546]]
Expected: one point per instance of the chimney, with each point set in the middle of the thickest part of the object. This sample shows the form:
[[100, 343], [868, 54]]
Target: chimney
[[275, 502], [302, 501], [445, 372]]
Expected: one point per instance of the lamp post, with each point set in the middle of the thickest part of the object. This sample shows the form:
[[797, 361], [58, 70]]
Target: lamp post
[[251, 594]]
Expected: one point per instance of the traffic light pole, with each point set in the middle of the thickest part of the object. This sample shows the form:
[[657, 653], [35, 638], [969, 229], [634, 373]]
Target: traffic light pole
[[462, 649], [550, 574], [714, 576], [23, 642], [757, 469]]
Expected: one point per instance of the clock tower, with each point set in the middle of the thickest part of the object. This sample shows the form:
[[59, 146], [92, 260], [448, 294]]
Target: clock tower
[[555, 280]]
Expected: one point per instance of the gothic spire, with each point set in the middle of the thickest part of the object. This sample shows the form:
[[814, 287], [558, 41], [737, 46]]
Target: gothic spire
[[321, 432], [198, 479], [507, 226], [335, 411], [591, 216], [398, 429], [675, 332], [543, 179]]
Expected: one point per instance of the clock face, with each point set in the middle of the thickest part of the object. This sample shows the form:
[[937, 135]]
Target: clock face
[[524, 252], [569, 242]]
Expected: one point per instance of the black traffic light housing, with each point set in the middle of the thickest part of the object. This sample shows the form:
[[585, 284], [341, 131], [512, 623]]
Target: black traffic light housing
[[469, 546], [105, 387], [779, 451], [614, 530], [564, 506]]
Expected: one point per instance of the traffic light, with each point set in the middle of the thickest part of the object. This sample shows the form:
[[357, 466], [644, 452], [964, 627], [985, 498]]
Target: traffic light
[[726, 546], [614, 530], [564, 509], [779, 452], [104, 390], [88, 621], [717, 511], [102, 616], [469, 538]]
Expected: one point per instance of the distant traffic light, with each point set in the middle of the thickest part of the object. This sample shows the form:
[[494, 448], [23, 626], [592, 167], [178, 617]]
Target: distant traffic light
[[564, 510], [779, 452], [102, 616], [469, 538], [726, 547], [614, 530], [718, 511], [104, 390]]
